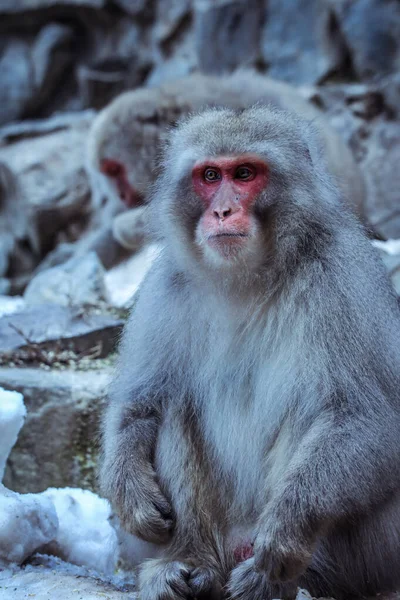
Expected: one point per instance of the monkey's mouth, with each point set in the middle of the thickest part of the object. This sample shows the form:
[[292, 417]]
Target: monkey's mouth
[[227, 235], [228, 244]]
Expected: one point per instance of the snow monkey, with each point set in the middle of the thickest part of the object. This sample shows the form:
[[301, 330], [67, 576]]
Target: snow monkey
[[126, 136], [253, 424]]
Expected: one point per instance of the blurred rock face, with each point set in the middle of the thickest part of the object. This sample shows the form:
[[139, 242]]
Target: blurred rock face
[[126, 43]]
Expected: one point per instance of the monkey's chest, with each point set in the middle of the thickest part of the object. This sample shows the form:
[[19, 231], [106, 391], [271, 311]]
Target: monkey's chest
[[251, 443]]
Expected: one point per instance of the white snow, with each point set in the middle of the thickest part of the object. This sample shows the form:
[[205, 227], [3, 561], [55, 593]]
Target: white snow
[[71, 523], [85, 536], [12, 415], [27, 522], [123, 281], [391, 247], [132, 550], [11, 304]]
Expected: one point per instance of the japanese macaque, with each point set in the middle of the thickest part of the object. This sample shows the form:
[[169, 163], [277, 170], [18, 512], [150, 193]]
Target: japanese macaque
[[125, 139], [253, 425], [16, 224]]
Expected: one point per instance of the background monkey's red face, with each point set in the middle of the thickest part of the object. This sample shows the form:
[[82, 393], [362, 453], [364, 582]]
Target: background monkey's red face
[[116, 171], [228, 187]]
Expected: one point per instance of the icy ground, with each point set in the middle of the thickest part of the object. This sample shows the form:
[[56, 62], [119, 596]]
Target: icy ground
[[52, 579]]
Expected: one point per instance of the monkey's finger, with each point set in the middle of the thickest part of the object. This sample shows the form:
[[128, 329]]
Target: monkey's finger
[[178, 582], [163, 507], [204, 585], [152, 527]]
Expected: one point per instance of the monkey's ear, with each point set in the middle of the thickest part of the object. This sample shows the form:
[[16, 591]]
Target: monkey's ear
[[111, 167]]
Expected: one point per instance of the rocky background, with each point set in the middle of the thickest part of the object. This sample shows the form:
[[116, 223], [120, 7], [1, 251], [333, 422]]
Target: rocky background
[[60, 62]]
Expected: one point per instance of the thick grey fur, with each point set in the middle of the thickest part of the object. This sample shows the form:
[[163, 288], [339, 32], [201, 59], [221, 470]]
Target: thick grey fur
[[259, 398]]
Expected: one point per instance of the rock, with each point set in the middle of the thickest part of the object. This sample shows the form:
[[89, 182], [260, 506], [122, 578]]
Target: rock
[[5, 286], [359, 112], [50, 172], [180, 64], [17, 231], [33, 128], [174, 53], [382, 174], [170, 18], [371, 29], [391, 92], [132, 7], [295, 43], [41, 330], [67, 212], [51, 55], [229, 30], [60, 255], [366, 102], [15, 75], [79, 281], [46, 162], [12, 7], [30, 72], [101, 82], [57, 446]]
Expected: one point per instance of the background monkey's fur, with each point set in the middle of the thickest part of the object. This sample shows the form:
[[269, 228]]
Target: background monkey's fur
[[134, 126], [259, 400]]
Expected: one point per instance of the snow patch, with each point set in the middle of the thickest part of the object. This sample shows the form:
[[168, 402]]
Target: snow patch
[[391, 247], [123, 281], [70, 523], [27, 522], [85, 536], [11, 304], [12, 415]]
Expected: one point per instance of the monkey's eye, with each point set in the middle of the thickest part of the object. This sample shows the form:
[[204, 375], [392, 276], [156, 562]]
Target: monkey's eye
[[212, 175], [244, 173]]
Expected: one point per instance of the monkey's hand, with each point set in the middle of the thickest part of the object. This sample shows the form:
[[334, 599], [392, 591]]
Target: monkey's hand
[[279, 552], [141, 506]]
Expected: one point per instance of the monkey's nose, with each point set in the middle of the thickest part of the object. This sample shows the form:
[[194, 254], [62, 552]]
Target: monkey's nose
[[224, 212]]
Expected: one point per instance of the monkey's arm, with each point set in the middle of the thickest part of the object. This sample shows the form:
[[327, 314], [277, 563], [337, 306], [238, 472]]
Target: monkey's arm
[[342, 468], [127, 475], [132, 419]]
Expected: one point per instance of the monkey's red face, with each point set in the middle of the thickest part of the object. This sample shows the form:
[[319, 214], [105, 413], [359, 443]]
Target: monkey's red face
[[228, 187], [116, 171]]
